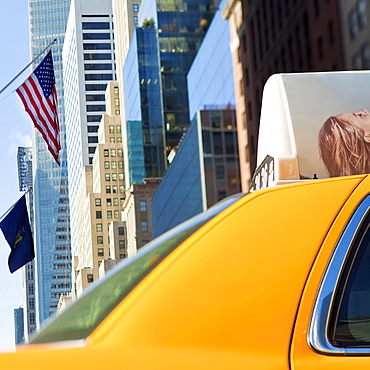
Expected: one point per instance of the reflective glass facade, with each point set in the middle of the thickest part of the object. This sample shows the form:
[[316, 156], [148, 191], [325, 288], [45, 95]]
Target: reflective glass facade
[[48, 19], [144, 119], [205, 168], [166, 42], [213, 67], [181, 27], [24, 160]]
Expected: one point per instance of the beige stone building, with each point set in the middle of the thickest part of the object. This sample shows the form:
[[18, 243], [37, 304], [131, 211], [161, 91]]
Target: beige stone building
[[101, 195]]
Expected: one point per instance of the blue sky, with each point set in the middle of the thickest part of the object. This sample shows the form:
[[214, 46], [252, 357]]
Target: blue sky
[[15, 130]]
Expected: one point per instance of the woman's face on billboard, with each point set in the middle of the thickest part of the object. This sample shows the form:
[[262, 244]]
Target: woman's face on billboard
[[360, 119]]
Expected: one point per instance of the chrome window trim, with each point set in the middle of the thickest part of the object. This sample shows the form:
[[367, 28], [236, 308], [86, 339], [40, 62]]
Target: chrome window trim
[[318, 329]]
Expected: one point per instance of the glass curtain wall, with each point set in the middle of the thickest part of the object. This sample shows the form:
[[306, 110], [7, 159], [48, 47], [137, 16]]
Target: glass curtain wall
[[48, 19]]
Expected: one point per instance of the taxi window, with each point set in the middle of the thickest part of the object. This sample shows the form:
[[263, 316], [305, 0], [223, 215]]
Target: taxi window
[[81, 318], [350, 321]]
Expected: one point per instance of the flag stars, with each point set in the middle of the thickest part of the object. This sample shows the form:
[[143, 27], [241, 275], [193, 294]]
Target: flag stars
[[45, 75]]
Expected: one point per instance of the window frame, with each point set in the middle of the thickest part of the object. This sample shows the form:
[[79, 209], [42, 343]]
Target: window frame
[[318, 333]]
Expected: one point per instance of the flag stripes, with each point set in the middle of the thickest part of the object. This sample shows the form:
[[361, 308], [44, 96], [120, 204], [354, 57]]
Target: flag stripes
[[38, 95]]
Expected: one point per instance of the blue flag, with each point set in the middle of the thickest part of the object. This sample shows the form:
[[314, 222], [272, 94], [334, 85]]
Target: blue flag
[[17, 232]]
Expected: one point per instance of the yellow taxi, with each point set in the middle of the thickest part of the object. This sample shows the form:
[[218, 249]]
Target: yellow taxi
[[274, 279]]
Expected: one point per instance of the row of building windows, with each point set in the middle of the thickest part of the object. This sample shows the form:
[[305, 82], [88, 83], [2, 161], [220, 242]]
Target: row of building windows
[[113, 165], [115, 139], [115, 129], [113, 177], [98, 67], [112, 152], [109, 201], [110, 214], [95, 36]]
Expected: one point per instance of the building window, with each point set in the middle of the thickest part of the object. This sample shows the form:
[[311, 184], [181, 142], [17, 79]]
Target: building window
[[356, 62], [100, 252], [99, 239], [109, 202], [109, 214], [32, 318], [221, 194], [122, 244], [121, 230], [99, 227], [112, 140], [107, 177], [118, 129], [116, 101], [220, 171], [120, 177], [113, 152], [117, 112], [120, 165], [116, 214], [111, 129], [119, 152], [98, 202], [115, 201], [136, 20], [366, 56], [108, 189], [353, 24], [98, 214], [135, 8], [114, 165], [114, 177], [121, 189], [31, 289], [31, 303], [106, 153], [144, 225], [115, 189], [116, 90], [119, 139], [144, 242], [362, 14], [90, 278], [106, 165], [143, 205], [122, 256]]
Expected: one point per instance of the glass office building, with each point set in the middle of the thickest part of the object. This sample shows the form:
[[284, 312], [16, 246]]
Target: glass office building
[[24, 161], [205, 168], [48, 20], [175, 30], [144, 120]]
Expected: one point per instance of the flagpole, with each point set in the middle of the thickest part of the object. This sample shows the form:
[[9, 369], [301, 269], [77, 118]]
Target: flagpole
[[27, 66]]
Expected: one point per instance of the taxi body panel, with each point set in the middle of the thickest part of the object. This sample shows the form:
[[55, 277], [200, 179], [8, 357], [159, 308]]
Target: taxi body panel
[[230, 295], [303, 356]]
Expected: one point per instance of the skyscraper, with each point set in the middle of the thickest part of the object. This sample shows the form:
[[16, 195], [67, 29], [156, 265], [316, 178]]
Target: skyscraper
[[48, 20], [161, 52], [24, 160], [88, 59], [18, 325]]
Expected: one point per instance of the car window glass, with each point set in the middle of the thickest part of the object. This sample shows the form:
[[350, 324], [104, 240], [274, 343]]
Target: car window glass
[[350, 320], [81, 319]]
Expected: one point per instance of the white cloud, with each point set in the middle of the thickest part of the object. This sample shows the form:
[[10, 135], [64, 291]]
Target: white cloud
[[17, 139]]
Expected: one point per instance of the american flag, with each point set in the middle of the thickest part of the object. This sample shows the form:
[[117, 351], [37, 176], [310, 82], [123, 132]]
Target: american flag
[[39, 97]]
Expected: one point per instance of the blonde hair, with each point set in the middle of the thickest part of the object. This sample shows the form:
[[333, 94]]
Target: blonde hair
[[343, 148]]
